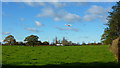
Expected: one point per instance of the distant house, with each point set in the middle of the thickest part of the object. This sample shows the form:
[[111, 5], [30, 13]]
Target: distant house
[[59, 44]]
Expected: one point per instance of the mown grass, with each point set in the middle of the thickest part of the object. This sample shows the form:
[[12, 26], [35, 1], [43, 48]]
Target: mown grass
[[56, 55]]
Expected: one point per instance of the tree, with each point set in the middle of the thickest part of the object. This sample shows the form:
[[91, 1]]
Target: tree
[[113, 25], [10, 40], [64, 41], [45, 43], [70, 43], [31, 40], [59, 41], [55, 41], [0, 43], [83, 43], [38, 43]]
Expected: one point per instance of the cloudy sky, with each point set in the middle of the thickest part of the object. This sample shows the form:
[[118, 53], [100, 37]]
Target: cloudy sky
[[47, 20]]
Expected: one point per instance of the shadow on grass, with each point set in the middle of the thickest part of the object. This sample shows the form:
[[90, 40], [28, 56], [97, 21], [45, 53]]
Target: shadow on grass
[[71, 65]]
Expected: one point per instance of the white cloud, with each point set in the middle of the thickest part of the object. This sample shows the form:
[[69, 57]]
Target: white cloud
[[35, 3], [69, 17], [57, 4], [32, 29], [89, 17], [45, 4], [22, 19], [29, 3], [95, 12], [56, 19], [5, 33], [67, 28], [59, 15], [38, 23], [46, 13]]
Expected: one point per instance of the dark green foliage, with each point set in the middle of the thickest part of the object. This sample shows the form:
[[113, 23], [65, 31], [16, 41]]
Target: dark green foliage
[[113, 29], [38, 43], [83, 43], [0, 43], [10, 40], [32, 40], [45, 43]]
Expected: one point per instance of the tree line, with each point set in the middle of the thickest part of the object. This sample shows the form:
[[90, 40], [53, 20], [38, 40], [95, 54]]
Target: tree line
[[112, 31], [32, 40]]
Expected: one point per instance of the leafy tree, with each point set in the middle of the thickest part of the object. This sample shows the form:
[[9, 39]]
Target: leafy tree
[[0, 43], [83, 43], [10, 40], [113, 26], [31, 40], [38, 43], [64, 41], [69, 43], [45, 43], [16, 43], [59, 41], [55, 41]]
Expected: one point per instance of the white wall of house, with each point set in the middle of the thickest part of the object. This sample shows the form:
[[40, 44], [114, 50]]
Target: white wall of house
[[59, 44]]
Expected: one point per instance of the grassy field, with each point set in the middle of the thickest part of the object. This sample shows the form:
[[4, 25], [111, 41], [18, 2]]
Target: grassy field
[[57, 56]]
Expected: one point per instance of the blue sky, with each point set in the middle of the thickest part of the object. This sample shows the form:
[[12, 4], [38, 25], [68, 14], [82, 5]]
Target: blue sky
[[47, 20]]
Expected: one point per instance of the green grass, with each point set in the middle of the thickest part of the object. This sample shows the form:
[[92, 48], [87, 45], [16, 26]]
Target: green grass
[[44, 55]]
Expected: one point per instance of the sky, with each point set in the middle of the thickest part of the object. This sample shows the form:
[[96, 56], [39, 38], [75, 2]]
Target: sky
[[47, 20]]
